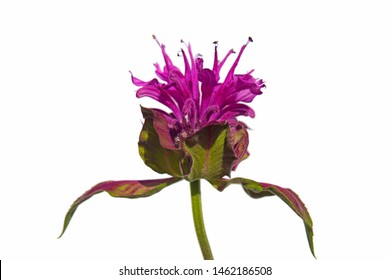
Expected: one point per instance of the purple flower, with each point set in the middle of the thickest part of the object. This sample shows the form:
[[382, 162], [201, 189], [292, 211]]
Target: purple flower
[[197, 97], [200, 139]]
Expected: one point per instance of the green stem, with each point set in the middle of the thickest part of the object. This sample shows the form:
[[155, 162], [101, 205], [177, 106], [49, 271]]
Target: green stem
[[197, 214]]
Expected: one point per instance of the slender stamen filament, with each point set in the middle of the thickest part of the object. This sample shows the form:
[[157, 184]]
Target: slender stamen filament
[[155, 38]]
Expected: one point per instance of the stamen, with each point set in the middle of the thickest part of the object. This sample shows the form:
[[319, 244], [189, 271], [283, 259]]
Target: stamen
[[185, 44], [180, 53], [177, 141], [215, 43], [184, 134], [231, 71], [155, 38]]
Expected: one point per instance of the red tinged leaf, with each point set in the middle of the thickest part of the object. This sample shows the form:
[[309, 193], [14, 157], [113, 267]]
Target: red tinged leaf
[[126, 189], [258, 190]]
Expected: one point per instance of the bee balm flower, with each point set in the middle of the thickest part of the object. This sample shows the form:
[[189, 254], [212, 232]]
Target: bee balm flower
[[197, 98], [200, 138]]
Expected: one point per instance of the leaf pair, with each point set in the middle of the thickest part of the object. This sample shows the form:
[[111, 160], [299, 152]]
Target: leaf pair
[[144, 188]]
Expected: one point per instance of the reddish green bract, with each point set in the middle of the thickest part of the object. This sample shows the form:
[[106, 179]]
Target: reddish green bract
[[211, 153], [157, 148]]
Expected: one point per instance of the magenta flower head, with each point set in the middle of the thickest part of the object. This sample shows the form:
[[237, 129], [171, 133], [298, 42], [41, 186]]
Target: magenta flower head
[[199, 98], [199, 137]]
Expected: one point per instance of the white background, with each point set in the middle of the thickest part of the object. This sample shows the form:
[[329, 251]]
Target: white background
[[69, 119]]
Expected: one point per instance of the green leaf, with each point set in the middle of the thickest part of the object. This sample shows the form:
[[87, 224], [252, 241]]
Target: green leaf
[[211, 153], [157, 149], [126, 189], [257, 190]]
